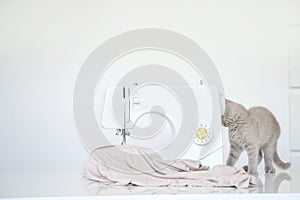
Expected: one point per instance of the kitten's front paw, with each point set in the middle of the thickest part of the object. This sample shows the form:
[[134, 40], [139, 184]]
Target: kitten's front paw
[[270, 170]]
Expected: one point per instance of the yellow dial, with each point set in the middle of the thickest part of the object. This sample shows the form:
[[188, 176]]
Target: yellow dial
[[201, 133]]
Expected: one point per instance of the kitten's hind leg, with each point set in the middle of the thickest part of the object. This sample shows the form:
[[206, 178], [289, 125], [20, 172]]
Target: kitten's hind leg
[[234, 154], [268, 156]]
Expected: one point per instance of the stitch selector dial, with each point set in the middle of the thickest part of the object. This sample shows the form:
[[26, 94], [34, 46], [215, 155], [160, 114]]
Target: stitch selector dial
[[202, 134]]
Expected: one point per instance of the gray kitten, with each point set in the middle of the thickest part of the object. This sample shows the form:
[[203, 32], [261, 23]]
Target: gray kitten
[[255, 130]]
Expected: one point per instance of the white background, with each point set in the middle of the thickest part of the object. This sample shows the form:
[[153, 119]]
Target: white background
[[44, 43]]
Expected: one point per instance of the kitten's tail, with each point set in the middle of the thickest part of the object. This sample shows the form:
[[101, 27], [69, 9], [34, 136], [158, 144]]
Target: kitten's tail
[[279, 162]]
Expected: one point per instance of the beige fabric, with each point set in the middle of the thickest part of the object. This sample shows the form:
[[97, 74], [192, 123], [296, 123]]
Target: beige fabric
[[125, 165]]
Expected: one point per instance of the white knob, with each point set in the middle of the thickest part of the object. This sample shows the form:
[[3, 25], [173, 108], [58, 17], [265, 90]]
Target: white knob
[[136, 100]]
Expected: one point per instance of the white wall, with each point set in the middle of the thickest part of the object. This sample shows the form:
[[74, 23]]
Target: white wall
[[294, 64], [44, 43]]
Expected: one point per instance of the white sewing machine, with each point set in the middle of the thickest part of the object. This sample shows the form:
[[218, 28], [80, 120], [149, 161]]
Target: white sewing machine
[[151, 115]]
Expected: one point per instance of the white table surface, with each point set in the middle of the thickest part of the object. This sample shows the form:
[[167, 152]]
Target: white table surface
[[65, 185]]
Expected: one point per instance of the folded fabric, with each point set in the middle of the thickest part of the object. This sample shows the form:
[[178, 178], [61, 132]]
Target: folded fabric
[[131, 165]]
